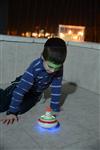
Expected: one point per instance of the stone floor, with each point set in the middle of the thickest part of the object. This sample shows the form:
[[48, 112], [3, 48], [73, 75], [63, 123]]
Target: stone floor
[[79, 124]]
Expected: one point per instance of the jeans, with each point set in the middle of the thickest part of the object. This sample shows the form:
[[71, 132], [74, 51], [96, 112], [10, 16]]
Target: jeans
[[29, 99]]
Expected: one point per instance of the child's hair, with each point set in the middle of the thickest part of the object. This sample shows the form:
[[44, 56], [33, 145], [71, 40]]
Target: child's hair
[[55, 50]]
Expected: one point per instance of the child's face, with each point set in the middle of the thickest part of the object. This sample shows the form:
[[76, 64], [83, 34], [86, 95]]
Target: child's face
[[51, 67]]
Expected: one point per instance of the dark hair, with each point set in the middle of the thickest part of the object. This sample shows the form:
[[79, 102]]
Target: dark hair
[[55, 50]]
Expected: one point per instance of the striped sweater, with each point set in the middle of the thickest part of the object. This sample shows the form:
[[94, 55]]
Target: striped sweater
[[38, 79]]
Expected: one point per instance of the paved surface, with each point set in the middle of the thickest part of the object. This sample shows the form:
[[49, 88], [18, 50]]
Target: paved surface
[[79, 125]]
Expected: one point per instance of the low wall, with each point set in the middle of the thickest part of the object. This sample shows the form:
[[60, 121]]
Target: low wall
[[82, 64]]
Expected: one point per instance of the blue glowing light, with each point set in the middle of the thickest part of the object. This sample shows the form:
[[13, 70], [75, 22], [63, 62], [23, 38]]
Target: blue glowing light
[[49, 130]]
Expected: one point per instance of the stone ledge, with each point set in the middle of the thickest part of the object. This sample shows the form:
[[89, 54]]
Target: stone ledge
[[9, 38]]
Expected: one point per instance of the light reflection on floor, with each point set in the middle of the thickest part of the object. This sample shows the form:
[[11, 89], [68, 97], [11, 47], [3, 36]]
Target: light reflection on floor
[[50, 130]]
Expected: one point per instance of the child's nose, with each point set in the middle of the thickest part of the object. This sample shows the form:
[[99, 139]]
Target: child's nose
[[52, 70]]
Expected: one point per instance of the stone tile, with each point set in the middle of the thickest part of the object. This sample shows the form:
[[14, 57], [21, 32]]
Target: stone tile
[[79, 126]]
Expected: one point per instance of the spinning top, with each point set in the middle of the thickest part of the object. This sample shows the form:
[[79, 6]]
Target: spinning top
[[48, 120]]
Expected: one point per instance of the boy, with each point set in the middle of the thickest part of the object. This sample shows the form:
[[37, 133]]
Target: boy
[[44, 71]]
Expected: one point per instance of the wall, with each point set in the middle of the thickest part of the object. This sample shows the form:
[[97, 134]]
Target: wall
[[82, 65]]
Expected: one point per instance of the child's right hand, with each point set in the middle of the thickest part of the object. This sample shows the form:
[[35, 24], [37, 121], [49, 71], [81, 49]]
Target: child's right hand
[[9, 119]]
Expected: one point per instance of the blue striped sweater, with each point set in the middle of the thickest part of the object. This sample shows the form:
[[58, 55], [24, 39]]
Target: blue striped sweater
[[37, 78]]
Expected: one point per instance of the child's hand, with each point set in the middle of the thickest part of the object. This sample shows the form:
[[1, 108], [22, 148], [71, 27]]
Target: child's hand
[[9, 119], [55, 113]]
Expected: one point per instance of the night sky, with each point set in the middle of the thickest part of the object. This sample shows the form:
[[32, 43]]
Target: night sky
[[28, 14], [31, 15]]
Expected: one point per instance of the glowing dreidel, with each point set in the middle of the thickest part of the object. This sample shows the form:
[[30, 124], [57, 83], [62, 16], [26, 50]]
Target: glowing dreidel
[[48, 120]]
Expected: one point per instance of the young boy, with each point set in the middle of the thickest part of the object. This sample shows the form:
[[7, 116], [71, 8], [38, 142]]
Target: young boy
[[47, 70]]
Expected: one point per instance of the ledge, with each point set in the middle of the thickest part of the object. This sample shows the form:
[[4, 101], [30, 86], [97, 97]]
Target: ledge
[[8, 38]]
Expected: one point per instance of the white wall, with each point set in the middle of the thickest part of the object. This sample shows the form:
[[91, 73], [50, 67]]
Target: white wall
[[82, 65]]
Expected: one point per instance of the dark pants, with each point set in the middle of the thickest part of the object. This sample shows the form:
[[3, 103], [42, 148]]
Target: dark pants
[[29, 99]]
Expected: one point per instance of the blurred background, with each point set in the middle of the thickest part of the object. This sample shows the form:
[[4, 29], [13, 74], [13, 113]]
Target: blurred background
[[75, 20]]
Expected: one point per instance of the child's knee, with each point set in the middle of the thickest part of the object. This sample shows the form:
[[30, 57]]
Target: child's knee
[[3, 109]]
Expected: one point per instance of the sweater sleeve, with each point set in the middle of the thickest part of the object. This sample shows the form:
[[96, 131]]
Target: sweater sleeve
[[56, 93], [23, 86]]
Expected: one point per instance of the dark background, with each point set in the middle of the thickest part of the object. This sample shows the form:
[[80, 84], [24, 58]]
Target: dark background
[[19, 16]]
